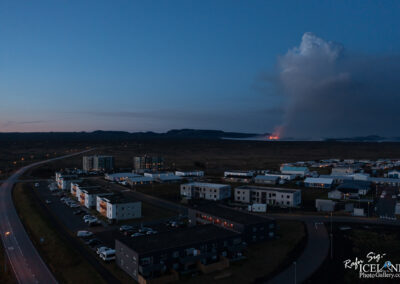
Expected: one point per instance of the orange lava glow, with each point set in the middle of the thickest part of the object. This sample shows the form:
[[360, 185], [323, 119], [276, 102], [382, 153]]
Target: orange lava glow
[[273, 137], [276, 135]]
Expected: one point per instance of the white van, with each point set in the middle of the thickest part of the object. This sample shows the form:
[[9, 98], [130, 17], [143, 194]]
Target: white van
[[108, 255]]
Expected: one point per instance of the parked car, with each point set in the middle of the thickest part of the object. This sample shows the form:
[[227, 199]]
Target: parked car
[[145, 229], [99, 250], [93, 242], [93, 222], [108, 255], [77, 212], [84, 234], [137, 235], [151, 232], [48, 201], [87, 217], [125, 228]]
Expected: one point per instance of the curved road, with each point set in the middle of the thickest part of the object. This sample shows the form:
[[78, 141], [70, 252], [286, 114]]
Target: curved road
[[25, 260]]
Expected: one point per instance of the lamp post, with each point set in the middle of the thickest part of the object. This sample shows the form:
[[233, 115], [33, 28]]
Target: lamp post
[[331, 238], [295, 272]]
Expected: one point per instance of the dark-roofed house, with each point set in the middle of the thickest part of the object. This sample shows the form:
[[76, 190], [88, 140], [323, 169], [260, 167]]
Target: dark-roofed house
[[362, 187], [252, 227], [159, 257]]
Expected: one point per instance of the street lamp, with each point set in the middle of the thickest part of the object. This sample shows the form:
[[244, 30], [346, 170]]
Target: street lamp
[[295, 272]]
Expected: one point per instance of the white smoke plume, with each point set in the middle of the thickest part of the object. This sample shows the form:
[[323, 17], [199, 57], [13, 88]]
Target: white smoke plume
[[329, 92]]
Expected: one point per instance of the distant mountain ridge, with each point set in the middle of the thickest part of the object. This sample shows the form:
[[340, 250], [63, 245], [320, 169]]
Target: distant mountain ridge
[[122, 135]]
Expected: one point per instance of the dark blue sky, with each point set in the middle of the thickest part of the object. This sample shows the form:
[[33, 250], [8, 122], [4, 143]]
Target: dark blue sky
[[157, 65]]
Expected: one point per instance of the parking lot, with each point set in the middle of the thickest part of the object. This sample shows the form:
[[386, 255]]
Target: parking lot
[[65, 210]]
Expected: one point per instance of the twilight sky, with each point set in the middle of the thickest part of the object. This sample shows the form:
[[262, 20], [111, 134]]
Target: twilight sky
[[156, 65]]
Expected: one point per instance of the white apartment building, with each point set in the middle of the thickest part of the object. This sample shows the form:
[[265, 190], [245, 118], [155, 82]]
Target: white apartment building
[[281, 197], [282, 176], [88, 196], [118, 207], [208, 191], [64, 181], [189, 173]]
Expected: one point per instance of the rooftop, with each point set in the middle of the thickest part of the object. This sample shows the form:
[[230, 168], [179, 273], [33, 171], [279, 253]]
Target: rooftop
[[253, 187], [206, 184], [94, 190], [229, 213], [122, 175], [183, 237], [119, 199], [319, 180], [269, 177], [293, 168]]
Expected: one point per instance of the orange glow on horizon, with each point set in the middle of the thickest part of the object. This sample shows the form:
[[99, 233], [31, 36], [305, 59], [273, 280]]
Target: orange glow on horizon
[[276, 135]]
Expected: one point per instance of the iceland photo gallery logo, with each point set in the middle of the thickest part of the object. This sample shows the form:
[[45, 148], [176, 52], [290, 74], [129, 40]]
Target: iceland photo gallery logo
[[374, 266]]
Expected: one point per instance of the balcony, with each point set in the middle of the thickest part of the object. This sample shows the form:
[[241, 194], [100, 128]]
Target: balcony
[[222, 264]]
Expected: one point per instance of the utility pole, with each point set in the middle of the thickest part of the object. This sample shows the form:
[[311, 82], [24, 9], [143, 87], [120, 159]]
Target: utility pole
[[295, 272], [331, 238]]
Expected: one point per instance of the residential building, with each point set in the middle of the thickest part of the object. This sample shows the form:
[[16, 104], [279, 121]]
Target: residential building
[[338, 178], [281, 197], [283, 176], [208, 191], [76, 187], [120, 176], [98, 163], [358, 186], [88, 196], [152, 163], [318, 182], [159, 258], [291, 170], [253, 228], [64, 181], [139, 180], [166, 177], [360, 176], [385, 181], [264, 179], [189, 173], [325, 205], [239, 176], [342, 171], [394, 174], [117, 207]]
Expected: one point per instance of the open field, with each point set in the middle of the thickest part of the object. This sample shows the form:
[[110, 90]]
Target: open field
[[211, 155], [63, 259], [264, 259]]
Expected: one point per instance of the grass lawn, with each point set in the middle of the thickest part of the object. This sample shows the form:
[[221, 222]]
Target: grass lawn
[[6, 275], [64, 260], [358, 242], [264, 258]]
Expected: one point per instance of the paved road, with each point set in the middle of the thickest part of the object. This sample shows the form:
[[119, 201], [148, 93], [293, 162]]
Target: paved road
[[25, 260], [310, 260]]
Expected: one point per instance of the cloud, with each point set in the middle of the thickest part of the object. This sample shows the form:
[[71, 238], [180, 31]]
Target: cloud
[[331, 92]]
